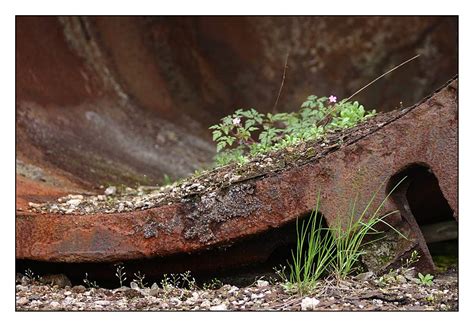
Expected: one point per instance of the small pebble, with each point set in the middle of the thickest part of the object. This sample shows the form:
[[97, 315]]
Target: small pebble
[[79, 289], [220, 307], [262, 283], [110, 190], [54, 304], [309, 303], [22, 301]]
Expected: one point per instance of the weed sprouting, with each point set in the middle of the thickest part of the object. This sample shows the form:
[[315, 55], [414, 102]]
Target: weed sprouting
[[349, 241], [313, 254], [167, 180], [213, 284], [31, 275], [336, 249], [248, 132], [399, 275], [139, 279], [236, 135], [90, 284], [182, 280], [414, 258], [188, 280], [426, 280], [121, 274]]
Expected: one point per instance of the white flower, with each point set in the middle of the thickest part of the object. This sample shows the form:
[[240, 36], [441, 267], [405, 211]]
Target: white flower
[[236, 121]]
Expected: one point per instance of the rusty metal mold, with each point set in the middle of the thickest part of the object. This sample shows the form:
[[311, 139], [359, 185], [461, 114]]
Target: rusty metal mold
[[425, 133]]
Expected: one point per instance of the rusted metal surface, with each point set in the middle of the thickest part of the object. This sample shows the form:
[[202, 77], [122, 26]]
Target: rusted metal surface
[[425, 135]]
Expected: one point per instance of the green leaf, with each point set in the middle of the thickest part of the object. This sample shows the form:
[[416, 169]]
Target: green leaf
[[249, 122], [247, 114], [306, 104], [230, 140], [227, 120], [220, 146], [216, 135]]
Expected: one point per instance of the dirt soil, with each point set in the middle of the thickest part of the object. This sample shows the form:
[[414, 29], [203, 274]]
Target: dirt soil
[[365, 292]]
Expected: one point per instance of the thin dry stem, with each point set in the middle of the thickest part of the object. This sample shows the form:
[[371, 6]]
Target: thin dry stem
[[375, 80], [282, 83]]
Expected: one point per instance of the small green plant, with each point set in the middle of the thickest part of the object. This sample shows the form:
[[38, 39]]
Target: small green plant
[[336, 249], [167, 180], [90, 284], [426, 280], [182, 280], [167, 282], [399, 275], [213, 284], [414, 258], [121, 274], [313, 254], [248, 132], [236, 135], [188, 281], [349, 240], [139, 278], [31, 275]]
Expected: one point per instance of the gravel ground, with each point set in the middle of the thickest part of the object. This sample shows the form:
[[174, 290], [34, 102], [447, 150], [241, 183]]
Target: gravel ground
[[365, 292]]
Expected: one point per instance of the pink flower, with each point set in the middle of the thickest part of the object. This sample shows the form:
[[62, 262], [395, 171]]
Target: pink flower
[[333, 98]]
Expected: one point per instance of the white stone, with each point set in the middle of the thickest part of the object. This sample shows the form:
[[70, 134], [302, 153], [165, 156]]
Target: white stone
[[220, 307], [22, 301], [74, 202], [54, 304], [309, 303], [205, 304], [262, 283], [110, 190], [21, 288], [34, 205]]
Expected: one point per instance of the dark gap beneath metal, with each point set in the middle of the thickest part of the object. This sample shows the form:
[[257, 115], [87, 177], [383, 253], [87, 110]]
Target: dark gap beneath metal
[[420, 197]]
